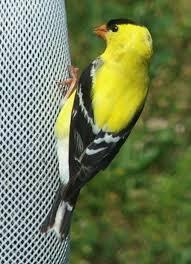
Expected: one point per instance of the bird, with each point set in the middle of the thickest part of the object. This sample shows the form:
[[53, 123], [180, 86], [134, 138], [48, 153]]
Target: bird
[[107, 103]]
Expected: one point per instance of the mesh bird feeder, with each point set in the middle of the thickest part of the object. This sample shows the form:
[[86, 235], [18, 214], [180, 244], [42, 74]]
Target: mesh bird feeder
[[34, 53]]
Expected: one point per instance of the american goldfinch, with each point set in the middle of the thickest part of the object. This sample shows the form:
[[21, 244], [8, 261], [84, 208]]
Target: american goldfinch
[[109, 99]]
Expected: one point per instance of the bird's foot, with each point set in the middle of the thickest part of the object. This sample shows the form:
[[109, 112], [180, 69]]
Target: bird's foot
[[72, 81]]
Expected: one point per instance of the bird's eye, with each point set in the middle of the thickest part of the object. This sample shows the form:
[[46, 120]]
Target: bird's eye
[[114, 28]]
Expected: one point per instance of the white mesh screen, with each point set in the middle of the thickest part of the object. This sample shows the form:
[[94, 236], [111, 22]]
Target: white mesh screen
[[33, 54]]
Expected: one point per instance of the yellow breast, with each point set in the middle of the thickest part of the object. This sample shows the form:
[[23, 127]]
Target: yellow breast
[[62, 125], [118, 92]]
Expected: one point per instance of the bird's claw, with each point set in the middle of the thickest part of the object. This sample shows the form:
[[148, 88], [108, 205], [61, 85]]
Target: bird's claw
[[72, 81]]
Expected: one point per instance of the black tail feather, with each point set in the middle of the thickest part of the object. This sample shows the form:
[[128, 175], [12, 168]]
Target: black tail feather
[[66, 223], [60, 216], [50, 219]]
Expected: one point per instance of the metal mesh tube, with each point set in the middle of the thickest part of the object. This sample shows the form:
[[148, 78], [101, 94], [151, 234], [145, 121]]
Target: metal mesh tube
[[33, 54]]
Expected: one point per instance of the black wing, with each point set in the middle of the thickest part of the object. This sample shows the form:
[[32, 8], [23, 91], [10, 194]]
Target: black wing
[[91, 149], [82, 128]]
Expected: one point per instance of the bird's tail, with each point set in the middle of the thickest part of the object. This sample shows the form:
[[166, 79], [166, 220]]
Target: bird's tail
[[60, 215]]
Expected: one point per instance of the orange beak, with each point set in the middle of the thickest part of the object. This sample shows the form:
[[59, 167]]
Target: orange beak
[[101, 31]]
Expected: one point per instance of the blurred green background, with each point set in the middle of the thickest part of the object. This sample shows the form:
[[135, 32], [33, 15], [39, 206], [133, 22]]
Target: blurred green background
[[139, 209]]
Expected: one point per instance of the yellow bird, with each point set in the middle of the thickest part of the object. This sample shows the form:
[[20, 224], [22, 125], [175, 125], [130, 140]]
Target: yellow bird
[[109, 99]]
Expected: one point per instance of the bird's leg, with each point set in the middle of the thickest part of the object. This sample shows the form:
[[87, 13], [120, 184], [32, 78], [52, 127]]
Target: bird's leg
[[72, 81]]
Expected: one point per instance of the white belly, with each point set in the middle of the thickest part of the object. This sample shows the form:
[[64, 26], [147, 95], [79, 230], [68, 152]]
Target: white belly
[[63, 159]]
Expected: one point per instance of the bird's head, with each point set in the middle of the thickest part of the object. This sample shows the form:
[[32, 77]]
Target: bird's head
[[126, 36]]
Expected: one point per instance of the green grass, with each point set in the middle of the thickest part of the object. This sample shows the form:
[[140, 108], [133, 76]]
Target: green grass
[[139, 209]]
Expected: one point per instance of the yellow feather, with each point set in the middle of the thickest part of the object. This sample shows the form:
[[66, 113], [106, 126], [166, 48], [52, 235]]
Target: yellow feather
[[120, 85], [62, 125]]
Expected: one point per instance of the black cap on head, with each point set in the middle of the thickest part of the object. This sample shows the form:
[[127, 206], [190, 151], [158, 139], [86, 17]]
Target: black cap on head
[[120, 21]]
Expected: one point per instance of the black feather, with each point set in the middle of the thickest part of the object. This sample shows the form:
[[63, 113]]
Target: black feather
[[120, 21]]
